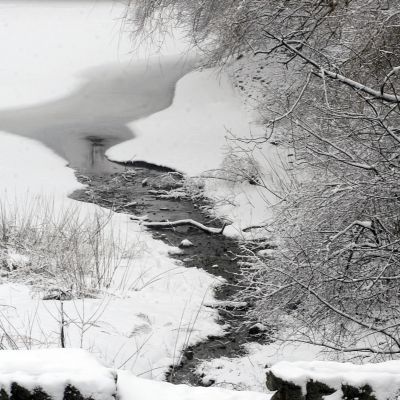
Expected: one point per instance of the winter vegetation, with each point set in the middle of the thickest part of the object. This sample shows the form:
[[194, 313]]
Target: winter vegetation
[[278, 120], [333, 279]]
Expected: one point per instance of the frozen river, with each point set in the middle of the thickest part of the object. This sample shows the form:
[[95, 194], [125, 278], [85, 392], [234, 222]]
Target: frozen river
[[81, 126], [70, 77]]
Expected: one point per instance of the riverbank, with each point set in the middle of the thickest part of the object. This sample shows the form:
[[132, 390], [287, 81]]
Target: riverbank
[[137, 191]]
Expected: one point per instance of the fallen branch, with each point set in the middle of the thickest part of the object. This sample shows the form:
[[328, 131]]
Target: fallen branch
[[185, 222], [250, 228]]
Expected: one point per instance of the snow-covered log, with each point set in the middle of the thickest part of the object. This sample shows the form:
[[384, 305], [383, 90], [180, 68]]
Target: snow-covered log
[[184, 222]]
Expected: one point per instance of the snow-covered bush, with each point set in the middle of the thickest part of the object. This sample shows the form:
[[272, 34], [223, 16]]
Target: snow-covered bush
[[334, 104], [238, 167]]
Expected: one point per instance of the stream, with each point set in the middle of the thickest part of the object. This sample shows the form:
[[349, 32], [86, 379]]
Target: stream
[[83, 125]]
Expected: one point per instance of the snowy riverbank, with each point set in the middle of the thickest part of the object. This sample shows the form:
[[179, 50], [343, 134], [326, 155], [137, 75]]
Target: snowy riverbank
[[151, 308]]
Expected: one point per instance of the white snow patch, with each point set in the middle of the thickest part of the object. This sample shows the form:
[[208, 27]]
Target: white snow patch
[[29, 169], [16, 260], [133, 388], [190, 135], [248, 372]]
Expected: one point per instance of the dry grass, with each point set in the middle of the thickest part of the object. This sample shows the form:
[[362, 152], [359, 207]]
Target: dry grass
[[48, 247]]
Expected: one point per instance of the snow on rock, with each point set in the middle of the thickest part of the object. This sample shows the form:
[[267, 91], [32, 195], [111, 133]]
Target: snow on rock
[[133, 388], [186, 243], [53, 370], [383, 378]]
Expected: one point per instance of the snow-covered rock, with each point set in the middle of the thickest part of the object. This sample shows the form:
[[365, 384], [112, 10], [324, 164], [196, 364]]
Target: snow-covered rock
[[340, 380], [53, 371], [186, 243]]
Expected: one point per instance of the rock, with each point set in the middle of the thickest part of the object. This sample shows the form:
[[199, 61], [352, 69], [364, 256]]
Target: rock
[[284, 390], [317, 390], [362, 393], [186, 243], [189, 354], [131, 204], [256, 329], [174, 251], [145, 182], [314, 390], [58, 294]]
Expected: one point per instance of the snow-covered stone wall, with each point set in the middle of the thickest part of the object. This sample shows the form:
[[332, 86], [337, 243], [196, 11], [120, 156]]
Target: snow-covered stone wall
[[316, 380], [74, 374], [54, 374]]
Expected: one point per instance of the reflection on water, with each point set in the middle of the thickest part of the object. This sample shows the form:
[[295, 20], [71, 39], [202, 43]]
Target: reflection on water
[[97, 145], [81, 126]]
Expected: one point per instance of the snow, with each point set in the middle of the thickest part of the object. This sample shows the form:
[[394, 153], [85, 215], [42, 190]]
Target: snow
[[152, 308], [248, 372], [133, 388], [186, 243], [52, 370], [193, 129], [143, 330], [383, 378], [206, 112], [29, 169]]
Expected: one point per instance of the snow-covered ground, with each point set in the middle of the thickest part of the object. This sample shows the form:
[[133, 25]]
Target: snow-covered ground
[[59, 368], [133, 388], [152, 308]]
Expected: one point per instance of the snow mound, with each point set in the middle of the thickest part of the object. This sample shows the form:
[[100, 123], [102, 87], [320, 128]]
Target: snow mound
[[133, 388], [383, 378], [53, 370]]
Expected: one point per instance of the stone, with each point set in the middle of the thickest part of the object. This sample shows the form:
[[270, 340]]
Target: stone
[[257, 329], [186, 243], [314, 390], [284, 390]]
